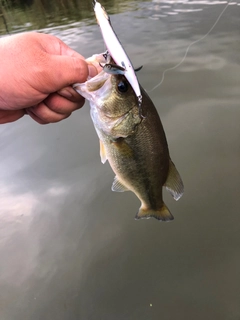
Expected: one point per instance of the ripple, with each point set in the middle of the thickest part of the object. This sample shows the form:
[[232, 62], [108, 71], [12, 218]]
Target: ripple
[[158, 9], [210, 62], [187, 10]]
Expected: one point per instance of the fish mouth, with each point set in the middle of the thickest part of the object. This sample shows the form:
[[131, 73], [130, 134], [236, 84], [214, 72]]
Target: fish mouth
[[94, 88], [90, 88]]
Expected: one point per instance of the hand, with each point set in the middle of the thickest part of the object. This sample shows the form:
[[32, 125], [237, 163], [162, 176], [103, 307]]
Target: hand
[[36, 74]]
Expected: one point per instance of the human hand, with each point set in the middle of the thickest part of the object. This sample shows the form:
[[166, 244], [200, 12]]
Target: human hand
[[36, 74]]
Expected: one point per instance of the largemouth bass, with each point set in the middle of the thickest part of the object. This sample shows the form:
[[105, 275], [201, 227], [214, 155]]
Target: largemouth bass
[[134, 144]]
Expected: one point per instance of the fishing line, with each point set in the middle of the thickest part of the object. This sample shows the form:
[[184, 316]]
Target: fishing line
[[191, 44]]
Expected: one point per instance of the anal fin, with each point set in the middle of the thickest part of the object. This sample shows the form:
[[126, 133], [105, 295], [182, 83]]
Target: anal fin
[[174, 182], [117, 186]]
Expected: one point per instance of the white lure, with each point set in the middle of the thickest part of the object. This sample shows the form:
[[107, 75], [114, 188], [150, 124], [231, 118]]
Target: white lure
[[115, 48]]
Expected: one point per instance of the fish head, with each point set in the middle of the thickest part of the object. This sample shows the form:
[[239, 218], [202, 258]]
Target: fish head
[[116, 97], [113, 102]]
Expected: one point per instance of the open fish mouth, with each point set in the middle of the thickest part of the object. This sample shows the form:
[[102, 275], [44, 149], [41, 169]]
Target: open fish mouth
[[91, 88]]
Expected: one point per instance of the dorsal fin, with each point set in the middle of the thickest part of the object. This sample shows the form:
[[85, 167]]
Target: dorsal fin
[[174, 182]]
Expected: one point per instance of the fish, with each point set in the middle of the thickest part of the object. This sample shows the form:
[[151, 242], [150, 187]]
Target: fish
[[135, 146]]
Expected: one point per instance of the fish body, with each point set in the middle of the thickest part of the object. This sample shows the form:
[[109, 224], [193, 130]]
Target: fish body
[[135, 146]]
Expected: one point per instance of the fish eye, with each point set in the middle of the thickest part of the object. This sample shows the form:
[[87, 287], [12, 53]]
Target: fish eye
[[122, 86]]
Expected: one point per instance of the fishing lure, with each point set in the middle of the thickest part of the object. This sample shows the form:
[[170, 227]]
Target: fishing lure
[[116, 50], [112, 68]]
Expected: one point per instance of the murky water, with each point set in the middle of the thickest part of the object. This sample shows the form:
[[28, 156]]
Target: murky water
[[69, 247]]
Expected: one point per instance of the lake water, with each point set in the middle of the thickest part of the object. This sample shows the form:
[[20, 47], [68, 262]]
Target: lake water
[[70, 247]]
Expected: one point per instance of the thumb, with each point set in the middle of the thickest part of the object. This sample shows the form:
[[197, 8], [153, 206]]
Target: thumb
[[63, 71]]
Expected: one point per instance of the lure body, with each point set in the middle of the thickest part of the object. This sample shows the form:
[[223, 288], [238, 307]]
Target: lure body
[[115, 48]]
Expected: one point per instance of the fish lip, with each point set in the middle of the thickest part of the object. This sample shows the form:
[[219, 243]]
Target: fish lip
[[95, 83], [89, 88]]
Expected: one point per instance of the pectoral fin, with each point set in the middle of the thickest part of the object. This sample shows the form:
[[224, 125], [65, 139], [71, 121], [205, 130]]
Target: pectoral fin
[[102, 152], [117, 186], [174, 182]]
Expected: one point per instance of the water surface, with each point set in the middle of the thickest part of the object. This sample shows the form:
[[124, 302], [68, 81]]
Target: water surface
[[69, 247]]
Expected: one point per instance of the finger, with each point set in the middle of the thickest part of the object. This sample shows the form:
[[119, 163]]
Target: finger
[[65, 50], [67, 70], [56, 46], [10, 116], [95, 68], [62, 105], [34, 117], [71, 94], [46, 115]]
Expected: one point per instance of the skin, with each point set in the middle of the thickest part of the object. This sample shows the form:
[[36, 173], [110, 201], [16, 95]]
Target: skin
[[37, 71]]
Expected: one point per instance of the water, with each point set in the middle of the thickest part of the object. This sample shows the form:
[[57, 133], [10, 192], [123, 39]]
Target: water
[[69, 247]]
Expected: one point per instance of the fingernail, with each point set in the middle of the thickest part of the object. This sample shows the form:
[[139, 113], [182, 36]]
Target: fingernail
[[92, 71], [65, 93]]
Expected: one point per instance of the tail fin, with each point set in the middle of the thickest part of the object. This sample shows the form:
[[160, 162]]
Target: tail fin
[[161, 214]]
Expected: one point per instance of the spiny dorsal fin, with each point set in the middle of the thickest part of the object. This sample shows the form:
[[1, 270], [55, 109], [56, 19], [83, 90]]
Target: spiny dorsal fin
[[102, 152], [174, 182], [117, 186]]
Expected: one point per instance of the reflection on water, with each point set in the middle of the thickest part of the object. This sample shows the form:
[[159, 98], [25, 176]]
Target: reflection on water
[[69, 247], [23, 16], [30, 15], [38, 14]]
